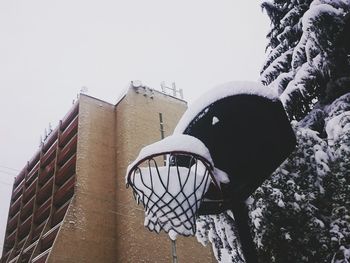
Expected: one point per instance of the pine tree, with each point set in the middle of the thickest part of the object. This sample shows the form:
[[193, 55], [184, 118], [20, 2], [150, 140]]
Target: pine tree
[[287, 209], [310, 82], [307, 60], [220, 231], [302, 213], [338, 184]]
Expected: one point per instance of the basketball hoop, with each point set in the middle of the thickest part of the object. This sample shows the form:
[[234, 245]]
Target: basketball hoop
[[170, 181]]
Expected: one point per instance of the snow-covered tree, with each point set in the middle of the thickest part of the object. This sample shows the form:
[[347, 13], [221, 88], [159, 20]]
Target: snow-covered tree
[[287, 211], [220, 231], [307, 55], [302, 213]]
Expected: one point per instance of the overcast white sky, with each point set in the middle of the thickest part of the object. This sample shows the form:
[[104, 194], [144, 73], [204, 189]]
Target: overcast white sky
[[50, 49]]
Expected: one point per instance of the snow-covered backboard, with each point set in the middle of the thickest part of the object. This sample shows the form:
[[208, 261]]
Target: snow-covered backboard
[[248, 134]]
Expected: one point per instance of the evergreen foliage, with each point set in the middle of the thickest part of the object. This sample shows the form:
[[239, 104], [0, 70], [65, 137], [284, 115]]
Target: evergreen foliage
[[307, 52], [302, 213]]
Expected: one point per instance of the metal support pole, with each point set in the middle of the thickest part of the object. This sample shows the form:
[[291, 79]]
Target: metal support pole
[[240, 212], [173, 251]]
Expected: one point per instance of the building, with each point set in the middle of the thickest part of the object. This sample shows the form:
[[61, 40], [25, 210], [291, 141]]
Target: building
[[70, 204]]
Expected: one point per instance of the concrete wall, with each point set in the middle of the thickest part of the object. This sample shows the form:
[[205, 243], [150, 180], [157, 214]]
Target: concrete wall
[[103, 222], [137, 125], [88, 231]]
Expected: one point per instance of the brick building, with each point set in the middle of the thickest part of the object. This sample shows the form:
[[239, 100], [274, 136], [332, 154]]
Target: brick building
[[70, 204]]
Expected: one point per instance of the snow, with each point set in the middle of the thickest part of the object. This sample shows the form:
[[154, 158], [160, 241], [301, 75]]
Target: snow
[[221, 176], [173, 143], [220, 231], [281, 203], [168, 196], [283, 78], [276, 52], [338, 106], [279, 64], [298, 83], [221, 92], [335, 126], [315, 11], [335, 3], [215, 120]]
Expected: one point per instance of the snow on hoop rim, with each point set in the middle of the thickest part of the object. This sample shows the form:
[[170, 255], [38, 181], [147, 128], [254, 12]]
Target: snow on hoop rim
[[220, 92], [178, 143]]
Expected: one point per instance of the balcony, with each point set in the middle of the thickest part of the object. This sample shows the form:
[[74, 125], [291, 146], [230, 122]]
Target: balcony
[[37, 231], [5, 257], [10, 239], [45, 192], [25, 227], [60, 213], [34, 160], [69, 132], [49, 237], [15, 257], [17, 250], [49, 155], [42, 257], [15, 206], [64, 193], [27, 252], [68, 150], [32, 175], [70, 116], [12, 223], [27, 209], [50, 140], [30, 191], [42, 212], [18, 191], [20, 177], [66, 171], [47, 173]]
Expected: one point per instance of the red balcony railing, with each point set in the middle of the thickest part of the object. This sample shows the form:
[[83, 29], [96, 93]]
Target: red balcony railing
[[12, 223], [42, 212], [42, 257], [65, 192], [15, 206], [45, 192], [34, 161], [30, 191], [25, 227], [18, 191], [20, 177], [27, 209], [49, 237], [27, 252], [47, 173], [50, 140], [37, 231], [59, 214], [68, 151], [10, 240], [49, 155], [69, 117], [66, 171], [5, 257], [32, 175], [69, 132]]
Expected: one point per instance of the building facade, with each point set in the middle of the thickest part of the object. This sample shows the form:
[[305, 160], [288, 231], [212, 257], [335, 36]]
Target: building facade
[[70, 204]]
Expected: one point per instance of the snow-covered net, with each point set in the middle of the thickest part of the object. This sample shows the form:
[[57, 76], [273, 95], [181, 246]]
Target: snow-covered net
[[170, 184]]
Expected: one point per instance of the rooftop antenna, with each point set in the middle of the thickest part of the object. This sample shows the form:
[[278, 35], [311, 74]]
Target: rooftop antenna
[[84, 90], [173, 89]]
